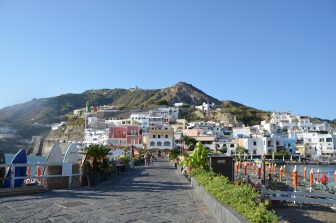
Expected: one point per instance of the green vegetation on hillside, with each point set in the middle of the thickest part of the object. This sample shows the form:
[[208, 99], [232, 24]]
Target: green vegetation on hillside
[[54, 109], [248, 116]]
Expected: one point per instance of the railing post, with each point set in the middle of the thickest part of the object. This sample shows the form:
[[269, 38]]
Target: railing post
[[70, 181], [12, 180]]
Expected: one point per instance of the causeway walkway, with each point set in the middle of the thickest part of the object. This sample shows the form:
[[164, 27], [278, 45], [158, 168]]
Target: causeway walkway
[[145, 194]]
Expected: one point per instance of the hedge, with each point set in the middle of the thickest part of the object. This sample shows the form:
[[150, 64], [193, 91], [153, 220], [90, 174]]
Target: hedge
[[241, 198]]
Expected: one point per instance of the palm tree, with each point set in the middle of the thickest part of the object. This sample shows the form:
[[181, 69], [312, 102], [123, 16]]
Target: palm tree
[[189, 141], [223, 149], [98, 153], [241, 150]]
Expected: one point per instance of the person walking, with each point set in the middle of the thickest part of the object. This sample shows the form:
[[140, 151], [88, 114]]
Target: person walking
[[151, 158], [147, 158]]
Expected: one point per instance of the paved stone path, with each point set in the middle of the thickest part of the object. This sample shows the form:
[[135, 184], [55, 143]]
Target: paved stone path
[[145, 194]]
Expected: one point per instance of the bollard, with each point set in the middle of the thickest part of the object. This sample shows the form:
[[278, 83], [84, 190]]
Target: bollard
[[12, 181]]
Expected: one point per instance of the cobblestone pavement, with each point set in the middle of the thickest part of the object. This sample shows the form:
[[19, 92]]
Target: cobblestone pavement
[[145, 194]]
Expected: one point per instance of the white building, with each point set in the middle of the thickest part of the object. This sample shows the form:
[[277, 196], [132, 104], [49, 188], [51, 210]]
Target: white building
[[316, 144], [205, 106], [179, 104], [107, 108], [155, 118], [93, 136], [209, 128], [262, 145], [231, 146], [116, 122], [281, 118], [170, 114], [241, 132]]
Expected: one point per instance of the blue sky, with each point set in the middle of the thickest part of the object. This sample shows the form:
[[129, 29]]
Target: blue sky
[[272, 55]]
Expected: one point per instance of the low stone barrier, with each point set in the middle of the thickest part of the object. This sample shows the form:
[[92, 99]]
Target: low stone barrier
[[220, 211], [61, 182]]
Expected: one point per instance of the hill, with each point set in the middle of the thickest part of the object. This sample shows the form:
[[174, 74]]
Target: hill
[[54, 109], [36, 116]]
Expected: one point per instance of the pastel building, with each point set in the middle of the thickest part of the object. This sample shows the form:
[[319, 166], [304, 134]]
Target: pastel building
[[125, 135], [160, 139], [199, 135]]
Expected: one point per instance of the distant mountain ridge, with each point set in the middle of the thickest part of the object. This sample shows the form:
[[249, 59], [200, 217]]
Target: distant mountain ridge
[[51, 110], [55, 109], [34, 117]]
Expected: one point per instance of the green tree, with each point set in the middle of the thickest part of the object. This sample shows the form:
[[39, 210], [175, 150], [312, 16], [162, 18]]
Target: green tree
[[224, 149], [241, 150], [174, 154], [163, 102], [198, 158], [189, 141], [98, 152]]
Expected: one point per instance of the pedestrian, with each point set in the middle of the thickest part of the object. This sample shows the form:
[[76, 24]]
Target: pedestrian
[[146, 157], [151, 158], [176, 162]]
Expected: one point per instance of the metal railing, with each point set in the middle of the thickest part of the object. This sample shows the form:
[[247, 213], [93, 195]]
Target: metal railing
[[302, 197], [42, 176]]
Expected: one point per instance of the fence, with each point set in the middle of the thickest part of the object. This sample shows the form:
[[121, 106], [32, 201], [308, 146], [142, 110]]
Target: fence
[[302, 197], [68, 174]]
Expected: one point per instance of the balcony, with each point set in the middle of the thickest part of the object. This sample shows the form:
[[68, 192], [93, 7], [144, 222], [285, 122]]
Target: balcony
[[132, 133]]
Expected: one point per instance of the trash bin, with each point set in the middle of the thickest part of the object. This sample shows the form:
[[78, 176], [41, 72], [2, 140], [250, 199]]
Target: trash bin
[[223, 165]]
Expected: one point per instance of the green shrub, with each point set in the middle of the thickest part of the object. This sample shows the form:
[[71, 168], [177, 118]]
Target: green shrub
[[197, 159], [125, 159], [241, 198], [174, 154]]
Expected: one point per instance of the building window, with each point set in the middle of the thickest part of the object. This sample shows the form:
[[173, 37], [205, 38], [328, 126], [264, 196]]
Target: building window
[[133, 141], [159, 136], [254, 143], [232, 145], [153, 136], [152, 144], [166, 136], [159, 143], [321, 140], [166, 143], [329, 140], [254, 152]]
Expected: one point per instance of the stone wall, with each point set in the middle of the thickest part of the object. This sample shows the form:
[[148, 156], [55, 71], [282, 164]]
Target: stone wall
[[61, 182]]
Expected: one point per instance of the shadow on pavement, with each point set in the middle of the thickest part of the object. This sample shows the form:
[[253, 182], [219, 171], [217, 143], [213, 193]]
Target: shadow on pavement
[[140, 179], [311, 214]]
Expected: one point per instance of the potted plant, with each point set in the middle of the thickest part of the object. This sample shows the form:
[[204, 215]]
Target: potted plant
[[125, 159]]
